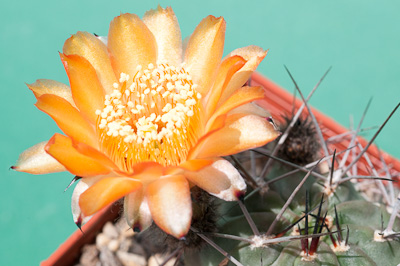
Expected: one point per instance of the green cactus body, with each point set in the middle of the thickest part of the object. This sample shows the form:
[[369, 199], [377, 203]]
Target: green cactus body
[[362, 217]]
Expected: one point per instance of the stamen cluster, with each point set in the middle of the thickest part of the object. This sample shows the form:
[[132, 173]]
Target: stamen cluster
[[155, 110]]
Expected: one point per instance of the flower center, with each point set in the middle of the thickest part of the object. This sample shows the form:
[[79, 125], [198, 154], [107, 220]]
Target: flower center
[[154, 116]]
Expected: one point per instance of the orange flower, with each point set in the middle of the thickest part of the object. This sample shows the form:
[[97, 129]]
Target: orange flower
[[146, 118]]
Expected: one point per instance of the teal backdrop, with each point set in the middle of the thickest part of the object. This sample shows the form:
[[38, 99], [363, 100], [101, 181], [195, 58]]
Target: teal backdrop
[[359, 38]]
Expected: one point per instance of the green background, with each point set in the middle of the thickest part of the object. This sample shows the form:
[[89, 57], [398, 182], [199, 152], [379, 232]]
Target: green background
[[360, 39]]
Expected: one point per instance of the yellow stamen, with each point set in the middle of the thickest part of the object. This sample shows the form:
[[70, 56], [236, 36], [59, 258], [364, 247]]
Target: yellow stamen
[[156, 116]]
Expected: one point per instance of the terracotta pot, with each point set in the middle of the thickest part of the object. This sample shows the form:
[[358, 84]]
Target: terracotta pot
[[279, 102]]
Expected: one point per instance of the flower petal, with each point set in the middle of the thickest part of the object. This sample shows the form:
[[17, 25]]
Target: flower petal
[[204, 52], [242, 96], [61, 148], [68, 118], [103, 39], [132, 204], [136, 211], [48, 86], [82, 186], [147, 172], [131, 44], [220, 179], [35, 160], [170, 204], [95, 52], [195, 165], [251, 109], [188, 165], [165, 28], [244, 133], [228, 67], [218, 124], [253, 55], [96, 155], [87, 91], [106, 191]]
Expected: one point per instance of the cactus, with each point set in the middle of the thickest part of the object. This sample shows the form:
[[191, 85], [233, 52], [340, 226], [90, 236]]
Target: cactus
[[298, 211], [360, 244]]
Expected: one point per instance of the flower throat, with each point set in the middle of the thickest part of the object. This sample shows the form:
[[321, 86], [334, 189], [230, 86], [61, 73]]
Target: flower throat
[[153, 116]]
